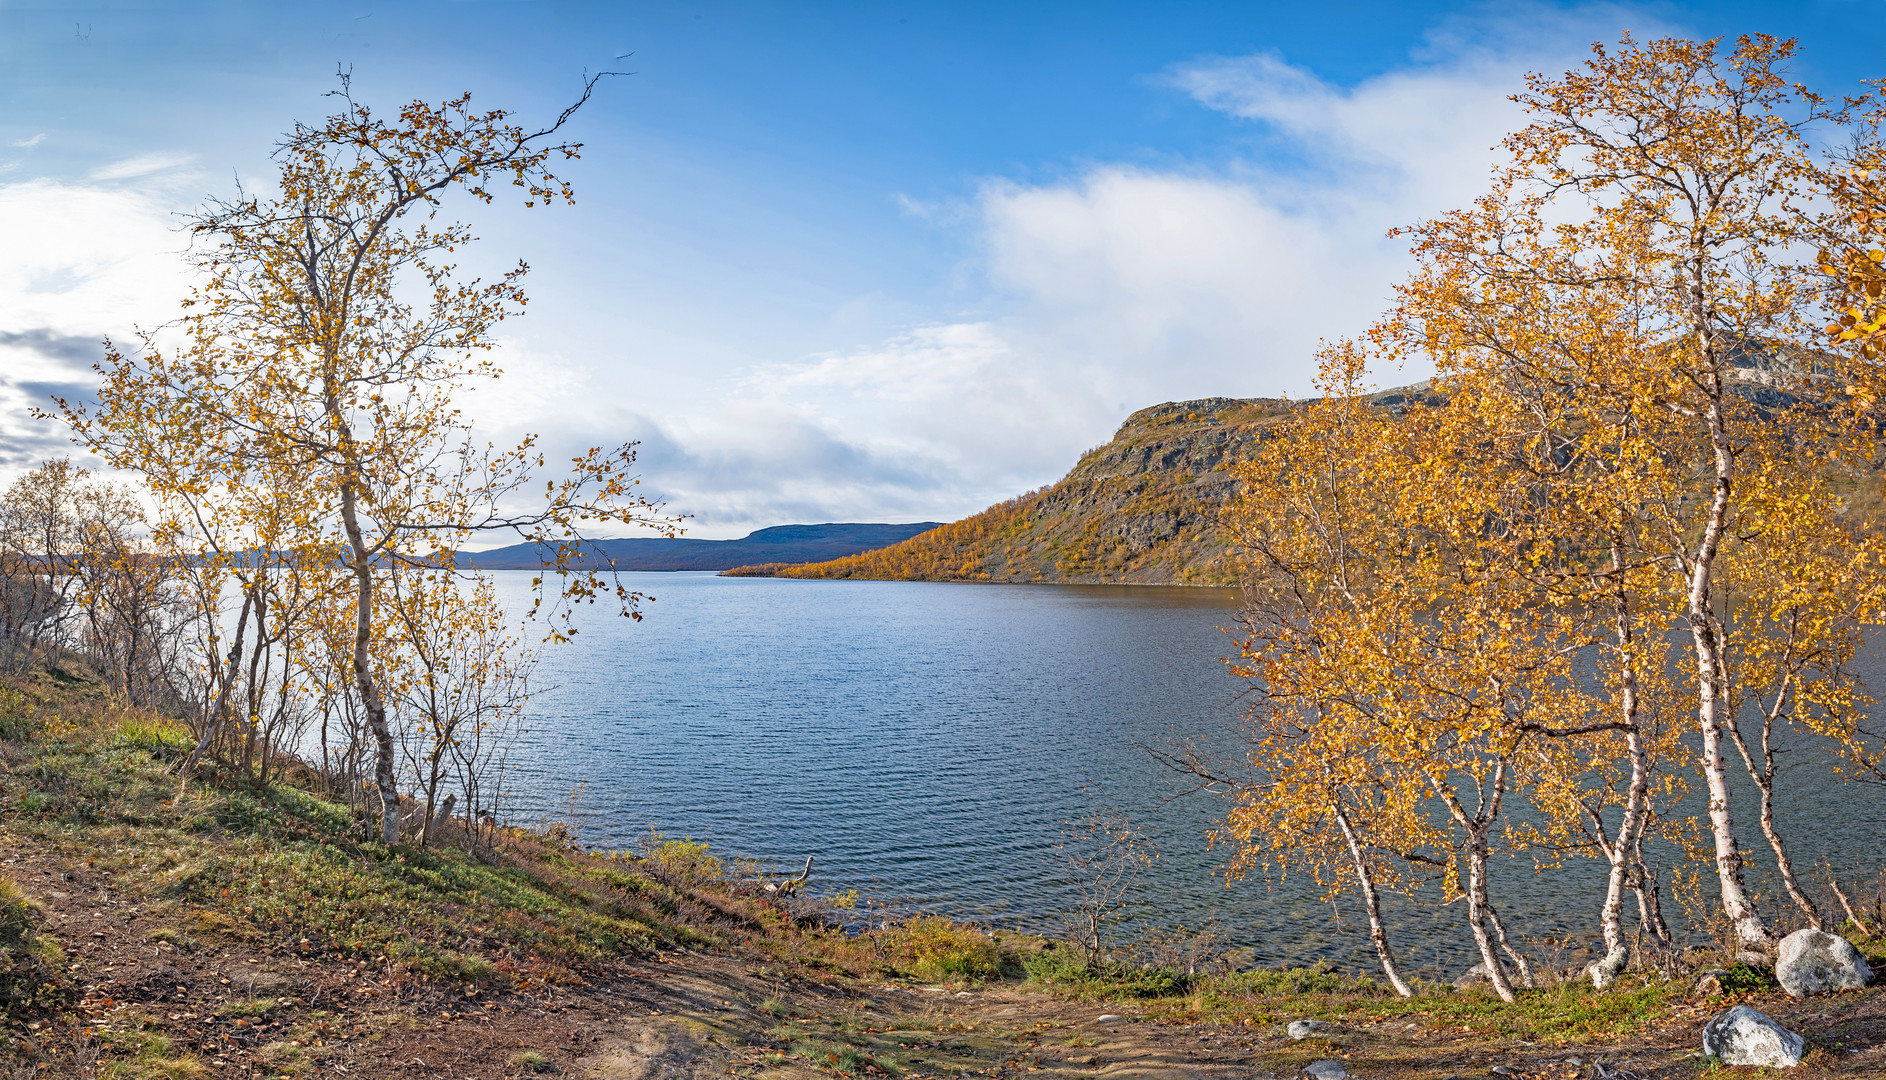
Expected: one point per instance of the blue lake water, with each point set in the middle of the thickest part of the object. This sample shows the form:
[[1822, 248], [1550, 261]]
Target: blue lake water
[[927, 741]]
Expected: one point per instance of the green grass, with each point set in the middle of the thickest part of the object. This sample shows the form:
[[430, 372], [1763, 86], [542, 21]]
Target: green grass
[[280, 867], [1065, 970], [1568, 1012], [148, 1056], [254, 1007]]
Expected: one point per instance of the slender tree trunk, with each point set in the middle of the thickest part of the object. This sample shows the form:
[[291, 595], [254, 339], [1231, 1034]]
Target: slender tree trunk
[[1649, 891], [370, 699], [1852, 915], [1751, 932], [1752, 935], [213, 726], [1475, 825], [327, 770], [1630, 828], [433, 820], [1477, 908], [1378, 932], [253, 691], [1519, 959], [1763, 775], [361, 563], [1784, 864]]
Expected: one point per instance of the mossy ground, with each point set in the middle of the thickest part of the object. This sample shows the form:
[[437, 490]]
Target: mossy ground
[[233, 930]]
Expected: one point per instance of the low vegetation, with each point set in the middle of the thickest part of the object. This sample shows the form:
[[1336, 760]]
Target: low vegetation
[[245, 924]]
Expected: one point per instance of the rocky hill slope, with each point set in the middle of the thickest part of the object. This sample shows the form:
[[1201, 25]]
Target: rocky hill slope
[[1141, 509]]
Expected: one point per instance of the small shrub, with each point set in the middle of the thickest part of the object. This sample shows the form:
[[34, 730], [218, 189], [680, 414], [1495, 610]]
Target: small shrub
[[1067, 969], [15, 724], [19, 915], [683, 861], [454, 965], [1741, 978], [148, 1056], [1318, 978], [936, 948], [252, 1007], [532, 1061]]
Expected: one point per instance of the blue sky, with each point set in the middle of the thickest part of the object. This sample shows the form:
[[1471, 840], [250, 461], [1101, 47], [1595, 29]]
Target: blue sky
[[830, 261]]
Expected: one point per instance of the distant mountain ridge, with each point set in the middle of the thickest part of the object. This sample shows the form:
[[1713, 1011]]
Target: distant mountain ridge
[[785, 544]]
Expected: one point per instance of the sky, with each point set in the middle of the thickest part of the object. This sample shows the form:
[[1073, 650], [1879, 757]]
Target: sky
[[828, 262]]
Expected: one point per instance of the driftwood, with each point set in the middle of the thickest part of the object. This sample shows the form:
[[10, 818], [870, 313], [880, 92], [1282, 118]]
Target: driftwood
[[789, 886]]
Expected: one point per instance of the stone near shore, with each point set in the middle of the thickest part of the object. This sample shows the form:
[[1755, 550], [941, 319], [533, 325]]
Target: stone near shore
[[1743, 1036], [1305, 1029], [1817, 962], [1474, 977]]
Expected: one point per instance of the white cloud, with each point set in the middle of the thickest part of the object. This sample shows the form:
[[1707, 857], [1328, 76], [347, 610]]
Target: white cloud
[[1117, 288], [142, 165], [1125, 286], [28, 144], [81, 263]]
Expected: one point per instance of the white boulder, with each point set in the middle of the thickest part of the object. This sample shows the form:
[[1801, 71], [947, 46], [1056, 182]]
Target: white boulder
[[1743, 1036], [1817, 962]]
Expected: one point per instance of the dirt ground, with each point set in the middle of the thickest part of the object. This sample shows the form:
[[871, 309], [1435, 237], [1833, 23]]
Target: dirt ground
[[263, 1013]]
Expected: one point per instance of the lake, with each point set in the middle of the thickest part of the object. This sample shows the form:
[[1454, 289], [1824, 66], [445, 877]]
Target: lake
[[927, 741]]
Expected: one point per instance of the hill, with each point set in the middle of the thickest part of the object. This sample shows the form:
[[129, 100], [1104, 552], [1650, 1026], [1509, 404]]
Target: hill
[[785, 544], [1141, 509]]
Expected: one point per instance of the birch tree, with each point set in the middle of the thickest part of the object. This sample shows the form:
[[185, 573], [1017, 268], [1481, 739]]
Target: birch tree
[[320, 358]]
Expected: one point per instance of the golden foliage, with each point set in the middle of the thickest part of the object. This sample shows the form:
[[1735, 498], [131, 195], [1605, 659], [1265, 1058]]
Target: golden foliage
[[1631, 433]]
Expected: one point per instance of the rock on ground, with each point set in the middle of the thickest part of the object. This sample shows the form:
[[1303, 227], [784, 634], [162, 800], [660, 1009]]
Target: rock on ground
[[1303, 1029], [1475, 976], [1817, 962], [1743, 1036], [1327, 1069]]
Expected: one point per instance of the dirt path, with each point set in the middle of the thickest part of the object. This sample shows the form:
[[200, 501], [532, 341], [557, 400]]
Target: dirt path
[[191, 999]]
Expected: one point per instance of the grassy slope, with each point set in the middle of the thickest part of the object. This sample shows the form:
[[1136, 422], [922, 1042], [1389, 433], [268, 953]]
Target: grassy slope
[[237, 931]]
